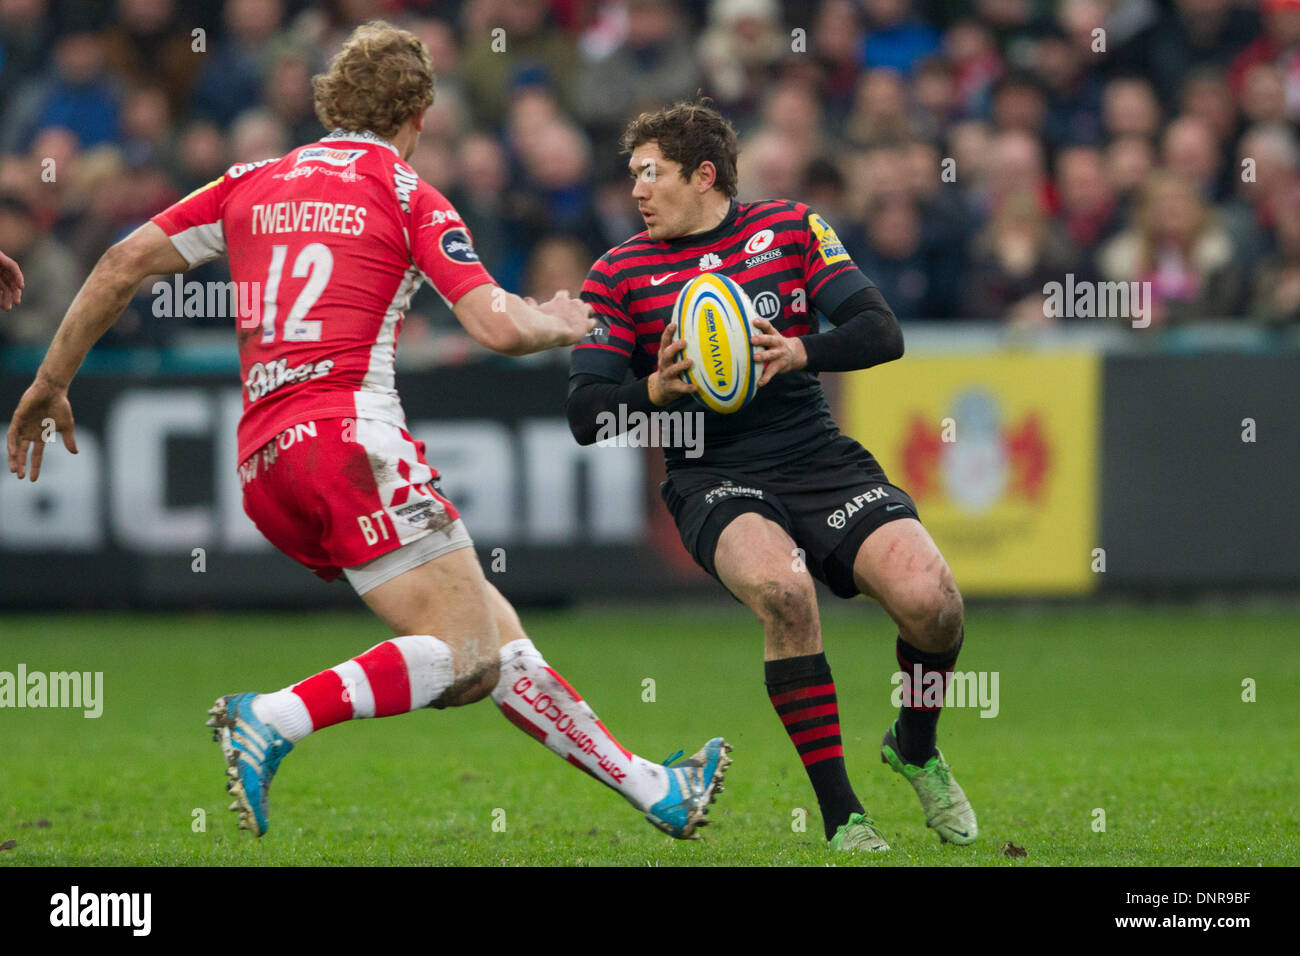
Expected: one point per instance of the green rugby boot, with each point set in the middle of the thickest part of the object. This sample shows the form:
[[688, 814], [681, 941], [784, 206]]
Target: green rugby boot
[[947, 811], [859, 833]]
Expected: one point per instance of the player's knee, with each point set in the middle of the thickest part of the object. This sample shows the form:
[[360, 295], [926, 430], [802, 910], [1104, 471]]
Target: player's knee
[[931, 612], [784, 606], [476, 678]]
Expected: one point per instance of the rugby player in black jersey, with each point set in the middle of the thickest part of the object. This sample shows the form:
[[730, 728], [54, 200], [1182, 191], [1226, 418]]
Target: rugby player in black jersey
[[776, 478]]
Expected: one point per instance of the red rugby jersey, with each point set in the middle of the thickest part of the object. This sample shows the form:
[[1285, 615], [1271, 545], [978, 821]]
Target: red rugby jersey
[[326, 246]]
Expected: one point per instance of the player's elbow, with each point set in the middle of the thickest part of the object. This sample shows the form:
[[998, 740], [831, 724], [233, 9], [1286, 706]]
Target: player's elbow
[[581, 424], [495, 331], [504, 338], [125, 263], [893, 341], [587, 410]]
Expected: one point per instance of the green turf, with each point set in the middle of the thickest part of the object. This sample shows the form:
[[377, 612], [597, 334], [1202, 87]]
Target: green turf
[[1136, 712]]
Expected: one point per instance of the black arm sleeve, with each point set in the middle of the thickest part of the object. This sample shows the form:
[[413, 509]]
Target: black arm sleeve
[[866, 334], [590, 395]]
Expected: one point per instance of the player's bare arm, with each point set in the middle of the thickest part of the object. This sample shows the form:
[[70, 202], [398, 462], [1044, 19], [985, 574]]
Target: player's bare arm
[[103, 296], [511, 325], [11, 283]]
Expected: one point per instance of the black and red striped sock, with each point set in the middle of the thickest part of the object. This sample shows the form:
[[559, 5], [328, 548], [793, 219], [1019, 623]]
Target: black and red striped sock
[[803, 693], [918, 718]]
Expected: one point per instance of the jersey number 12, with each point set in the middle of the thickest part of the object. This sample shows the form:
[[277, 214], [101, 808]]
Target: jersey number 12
[[316, 261]]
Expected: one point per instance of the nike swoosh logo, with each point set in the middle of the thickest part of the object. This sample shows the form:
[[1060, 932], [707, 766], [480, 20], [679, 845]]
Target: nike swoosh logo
[[894, 507], [661, 279]]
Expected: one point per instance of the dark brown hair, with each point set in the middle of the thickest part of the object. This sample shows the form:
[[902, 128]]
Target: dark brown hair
[[690, 134]]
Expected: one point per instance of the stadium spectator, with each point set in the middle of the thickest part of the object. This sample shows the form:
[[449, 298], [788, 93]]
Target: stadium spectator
[[1263, 94], [1015, 255], [258, 134], [1089, 211], [147, 126], [1019, 167], [531, 51], [1276, 293], [971, 150], [1194, 33], [147, 45], [1189, 149], [653, 64], [1129, 161], [1208, 97], [201, 155], [26, 35], [79, 93], [287, 93], [1019, 102], [1268, 171], [235, 66], [793, 113], [1177, 245], [739, 52], [92, 218], [895, 39], [836, 40], [46, 264], [768, 166], [557, 263], [1279, 45], [896, 257], [1130, 108], [976, 64], [880, 112], [1069, 65], [555, 195], [934, 96]]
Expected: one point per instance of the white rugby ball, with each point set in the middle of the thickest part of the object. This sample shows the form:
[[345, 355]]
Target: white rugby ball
[[713, 317]]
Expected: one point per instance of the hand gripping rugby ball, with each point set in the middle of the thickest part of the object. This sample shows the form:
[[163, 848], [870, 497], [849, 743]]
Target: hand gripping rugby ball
[[713, 316]]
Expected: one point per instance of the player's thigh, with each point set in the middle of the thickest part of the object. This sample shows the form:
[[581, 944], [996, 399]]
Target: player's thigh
[[448, 598], [901, 567], [757, 561]]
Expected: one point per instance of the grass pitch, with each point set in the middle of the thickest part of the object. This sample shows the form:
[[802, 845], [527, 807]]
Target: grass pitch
[[1137, 713]]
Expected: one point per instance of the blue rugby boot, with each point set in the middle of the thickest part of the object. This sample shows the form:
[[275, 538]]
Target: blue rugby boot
[[692, 785], [253, 752]]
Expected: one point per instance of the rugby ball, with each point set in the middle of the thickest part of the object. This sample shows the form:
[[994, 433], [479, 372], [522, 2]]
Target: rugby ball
[[713, 317]]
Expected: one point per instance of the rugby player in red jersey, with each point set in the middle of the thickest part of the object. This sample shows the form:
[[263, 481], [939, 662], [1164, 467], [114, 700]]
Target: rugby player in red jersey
[[776, 487], [337, 235]]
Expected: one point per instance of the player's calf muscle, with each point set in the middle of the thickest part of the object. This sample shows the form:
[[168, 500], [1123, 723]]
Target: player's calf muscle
[[447, 598]]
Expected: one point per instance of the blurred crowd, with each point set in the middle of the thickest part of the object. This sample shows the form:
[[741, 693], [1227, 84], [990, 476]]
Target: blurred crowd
[[967, 151]]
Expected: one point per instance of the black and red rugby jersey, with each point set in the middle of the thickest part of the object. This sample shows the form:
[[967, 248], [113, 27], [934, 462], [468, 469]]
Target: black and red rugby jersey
[[794, 269]]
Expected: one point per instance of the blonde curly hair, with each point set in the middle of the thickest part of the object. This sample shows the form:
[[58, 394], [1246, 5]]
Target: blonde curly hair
[[380, 78]]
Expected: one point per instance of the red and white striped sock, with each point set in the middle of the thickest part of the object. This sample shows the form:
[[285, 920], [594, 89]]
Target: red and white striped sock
[[540, 702], [395, 677]]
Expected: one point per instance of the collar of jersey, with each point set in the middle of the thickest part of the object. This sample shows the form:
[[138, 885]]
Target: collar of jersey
[[704, 238], [357, 136]]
